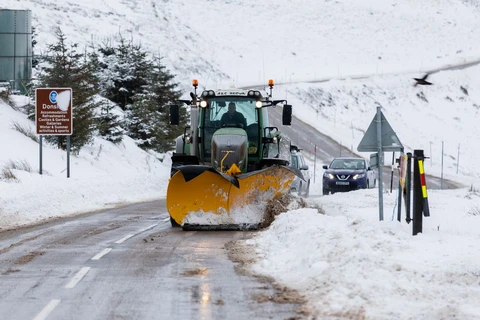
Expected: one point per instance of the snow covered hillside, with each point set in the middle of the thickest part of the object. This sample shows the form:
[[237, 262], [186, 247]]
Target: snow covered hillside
[[248, 41]]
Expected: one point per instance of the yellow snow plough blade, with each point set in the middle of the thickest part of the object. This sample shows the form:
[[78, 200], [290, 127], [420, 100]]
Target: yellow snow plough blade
[[203, 198]]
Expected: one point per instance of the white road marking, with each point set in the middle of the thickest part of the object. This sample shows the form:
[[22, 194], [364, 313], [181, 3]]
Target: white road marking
[[132, 235], [47, 310], [166, 219], [124, 239], [76, 279], [101, 254], [148, 228]]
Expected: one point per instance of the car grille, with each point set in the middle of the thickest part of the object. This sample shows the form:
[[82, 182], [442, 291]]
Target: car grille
[[342, 177]]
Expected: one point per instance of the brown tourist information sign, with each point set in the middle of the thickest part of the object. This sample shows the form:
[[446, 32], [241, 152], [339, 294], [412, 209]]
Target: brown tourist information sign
[[53, 112]]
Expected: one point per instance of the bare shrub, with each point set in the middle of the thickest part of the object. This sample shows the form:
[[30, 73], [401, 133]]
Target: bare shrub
[[4, 95], [473, 189], [19, 165], [25, 131], [7, 175], [474, 211]]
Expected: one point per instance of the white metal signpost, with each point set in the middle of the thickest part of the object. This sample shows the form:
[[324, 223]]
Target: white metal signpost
[[54, 116], [380, 137]]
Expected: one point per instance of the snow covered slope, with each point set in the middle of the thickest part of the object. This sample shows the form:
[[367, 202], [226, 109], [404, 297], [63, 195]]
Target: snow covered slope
[[245, 41]]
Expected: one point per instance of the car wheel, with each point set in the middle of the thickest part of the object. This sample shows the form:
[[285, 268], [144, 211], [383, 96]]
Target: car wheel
[[325, 192]]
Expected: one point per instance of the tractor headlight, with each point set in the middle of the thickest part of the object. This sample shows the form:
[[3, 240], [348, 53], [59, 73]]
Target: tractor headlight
[[258, 104], [203, 104], [275, 140], [329, 175], [358, 176], [188, 139]]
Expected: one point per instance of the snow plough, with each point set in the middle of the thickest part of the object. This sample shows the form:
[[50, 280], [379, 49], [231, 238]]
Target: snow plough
[[229, 162]]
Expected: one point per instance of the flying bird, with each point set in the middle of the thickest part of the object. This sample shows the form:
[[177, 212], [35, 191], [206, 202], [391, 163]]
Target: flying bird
[[422, 81]]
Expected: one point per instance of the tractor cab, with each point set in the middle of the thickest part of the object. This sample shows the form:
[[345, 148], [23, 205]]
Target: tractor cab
[[232, 113]]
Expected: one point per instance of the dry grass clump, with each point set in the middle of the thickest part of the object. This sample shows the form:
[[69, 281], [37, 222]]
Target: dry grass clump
[[19, 165], [474, 211], [28, 132], [7, 174]]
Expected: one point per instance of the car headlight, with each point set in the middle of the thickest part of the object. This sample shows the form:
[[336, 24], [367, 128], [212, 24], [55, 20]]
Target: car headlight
[[358, 176], [329, 175]]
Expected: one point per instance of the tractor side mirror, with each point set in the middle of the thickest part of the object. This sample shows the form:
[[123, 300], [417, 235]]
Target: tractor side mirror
[[287, 115], [174, 114]]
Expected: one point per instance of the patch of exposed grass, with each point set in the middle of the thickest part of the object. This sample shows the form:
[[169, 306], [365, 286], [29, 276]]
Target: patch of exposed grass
[[25, 131]]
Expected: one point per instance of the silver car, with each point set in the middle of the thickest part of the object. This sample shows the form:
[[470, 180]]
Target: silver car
[[301, 187]]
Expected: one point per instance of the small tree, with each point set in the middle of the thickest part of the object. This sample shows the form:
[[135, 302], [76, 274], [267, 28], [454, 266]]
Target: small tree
[[125, 72], [143, 88], [109, 124], [141, 119], [69, 69], [166, 93]]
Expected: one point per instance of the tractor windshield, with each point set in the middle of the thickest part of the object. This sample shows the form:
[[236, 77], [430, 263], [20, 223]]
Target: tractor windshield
[[219, 108], [228, 111]]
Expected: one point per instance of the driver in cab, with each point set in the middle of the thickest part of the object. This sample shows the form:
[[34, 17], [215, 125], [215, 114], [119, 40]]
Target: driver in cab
[[232, 117]]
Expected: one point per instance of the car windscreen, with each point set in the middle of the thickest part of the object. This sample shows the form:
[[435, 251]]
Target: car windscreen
[[351, 164]]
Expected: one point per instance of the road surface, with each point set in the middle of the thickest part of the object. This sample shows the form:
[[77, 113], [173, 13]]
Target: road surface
[[128, 263]]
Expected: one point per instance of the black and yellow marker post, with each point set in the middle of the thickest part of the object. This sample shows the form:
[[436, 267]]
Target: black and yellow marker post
[[420, 199]]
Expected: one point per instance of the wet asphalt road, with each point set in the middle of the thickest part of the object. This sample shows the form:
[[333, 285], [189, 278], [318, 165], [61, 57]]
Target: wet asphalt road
[[306, 137], [127, 263]]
